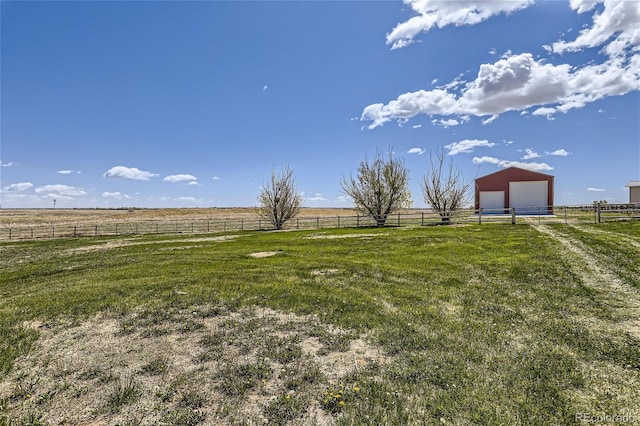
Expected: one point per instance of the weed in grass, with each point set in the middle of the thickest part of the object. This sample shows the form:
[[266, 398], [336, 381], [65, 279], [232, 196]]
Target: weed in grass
[[283, 350], [301, 374], [156, 366], [285, 408], [236, 380], [335, 397], [183, 416], [121, 395], [192, 399], [31, 419]]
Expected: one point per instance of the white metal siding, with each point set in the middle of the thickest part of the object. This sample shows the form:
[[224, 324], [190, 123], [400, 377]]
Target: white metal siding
[[528, 197], [491, 200]]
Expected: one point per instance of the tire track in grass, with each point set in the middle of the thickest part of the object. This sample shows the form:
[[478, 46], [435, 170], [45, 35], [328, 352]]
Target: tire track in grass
[[621, 237], [596, 274]]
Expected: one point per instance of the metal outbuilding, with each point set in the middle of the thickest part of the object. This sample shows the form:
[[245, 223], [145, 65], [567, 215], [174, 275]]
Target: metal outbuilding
[[527, 191], [634, 191]]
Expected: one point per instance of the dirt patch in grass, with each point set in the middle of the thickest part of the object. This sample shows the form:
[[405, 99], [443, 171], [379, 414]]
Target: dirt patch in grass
[[340, 236], [324, 272], [202, 366], [261, 254], [124, 242]]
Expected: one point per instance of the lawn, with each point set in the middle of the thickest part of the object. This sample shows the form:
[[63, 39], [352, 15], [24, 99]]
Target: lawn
[[490, 324]]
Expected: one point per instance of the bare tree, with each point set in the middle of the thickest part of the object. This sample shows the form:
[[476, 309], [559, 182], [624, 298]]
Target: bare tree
[[279, 199], [380, 189], [443, 187]]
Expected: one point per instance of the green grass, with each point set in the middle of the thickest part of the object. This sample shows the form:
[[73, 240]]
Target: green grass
[[480, 324]]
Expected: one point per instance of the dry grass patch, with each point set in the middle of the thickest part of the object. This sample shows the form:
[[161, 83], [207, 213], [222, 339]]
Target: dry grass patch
[[204, 366]]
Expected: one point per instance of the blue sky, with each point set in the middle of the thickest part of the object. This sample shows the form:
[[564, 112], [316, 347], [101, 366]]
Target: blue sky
[[191, 104]]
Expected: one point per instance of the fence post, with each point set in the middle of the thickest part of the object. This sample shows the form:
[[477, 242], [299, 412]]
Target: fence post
[[117, 229], [259, 224], [598, 210], [422, 220], [317, 222], [479, 216], [31, 233], [565, 215], [192, 227], [398, 219], [242, 224], [338, 222], [96, 231], [137, 229], [53, 232], [10, 233], [74, 230], [297, 223], [513, 215], [358, 221], [208, 227], [538, 215]]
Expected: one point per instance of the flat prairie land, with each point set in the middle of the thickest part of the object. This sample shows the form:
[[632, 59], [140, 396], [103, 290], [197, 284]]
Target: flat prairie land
[[527, 324], [35, 217]]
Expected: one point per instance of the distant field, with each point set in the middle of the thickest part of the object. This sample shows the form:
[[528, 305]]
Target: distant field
[[33, 217], [529, 324]]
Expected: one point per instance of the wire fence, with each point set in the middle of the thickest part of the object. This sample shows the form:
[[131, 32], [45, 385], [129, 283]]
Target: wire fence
[[597, 213]]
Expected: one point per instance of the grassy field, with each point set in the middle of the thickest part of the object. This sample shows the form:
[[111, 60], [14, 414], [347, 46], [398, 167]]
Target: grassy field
[[491, 324]]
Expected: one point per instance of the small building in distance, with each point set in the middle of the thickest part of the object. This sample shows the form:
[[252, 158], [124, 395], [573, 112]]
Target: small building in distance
[[527, 191], [634, 191]]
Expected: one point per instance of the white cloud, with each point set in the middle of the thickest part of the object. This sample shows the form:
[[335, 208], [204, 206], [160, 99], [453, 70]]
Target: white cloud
[[264, 88], [180, 178], [193, 182], [490, 119], [536, 167], [529, 154], [546, 112], [129, 173], [450, 122], [467, 145], [559, 152], [595, 190], [216, 178], [317, 197], [65, 172], [485, 159], [515, 83], [116, 195], [418, 151], [619, 21], [21, 186], [417, 126], [9, 164], [60, 190], [189, 199], [438, 13]]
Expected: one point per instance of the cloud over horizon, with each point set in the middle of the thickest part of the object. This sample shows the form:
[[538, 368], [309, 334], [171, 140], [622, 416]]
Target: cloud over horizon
[[180, 178], [128, 173], [467, 146]]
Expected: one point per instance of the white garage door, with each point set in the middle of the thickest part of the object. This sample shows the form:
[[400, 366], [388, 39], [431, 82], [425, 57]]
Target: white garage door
[[492, 200], [528, 197]]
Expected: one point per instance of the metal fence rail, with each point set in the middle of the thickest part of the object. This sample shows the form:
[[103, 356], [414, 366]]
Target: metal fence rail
[[556, 214]]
